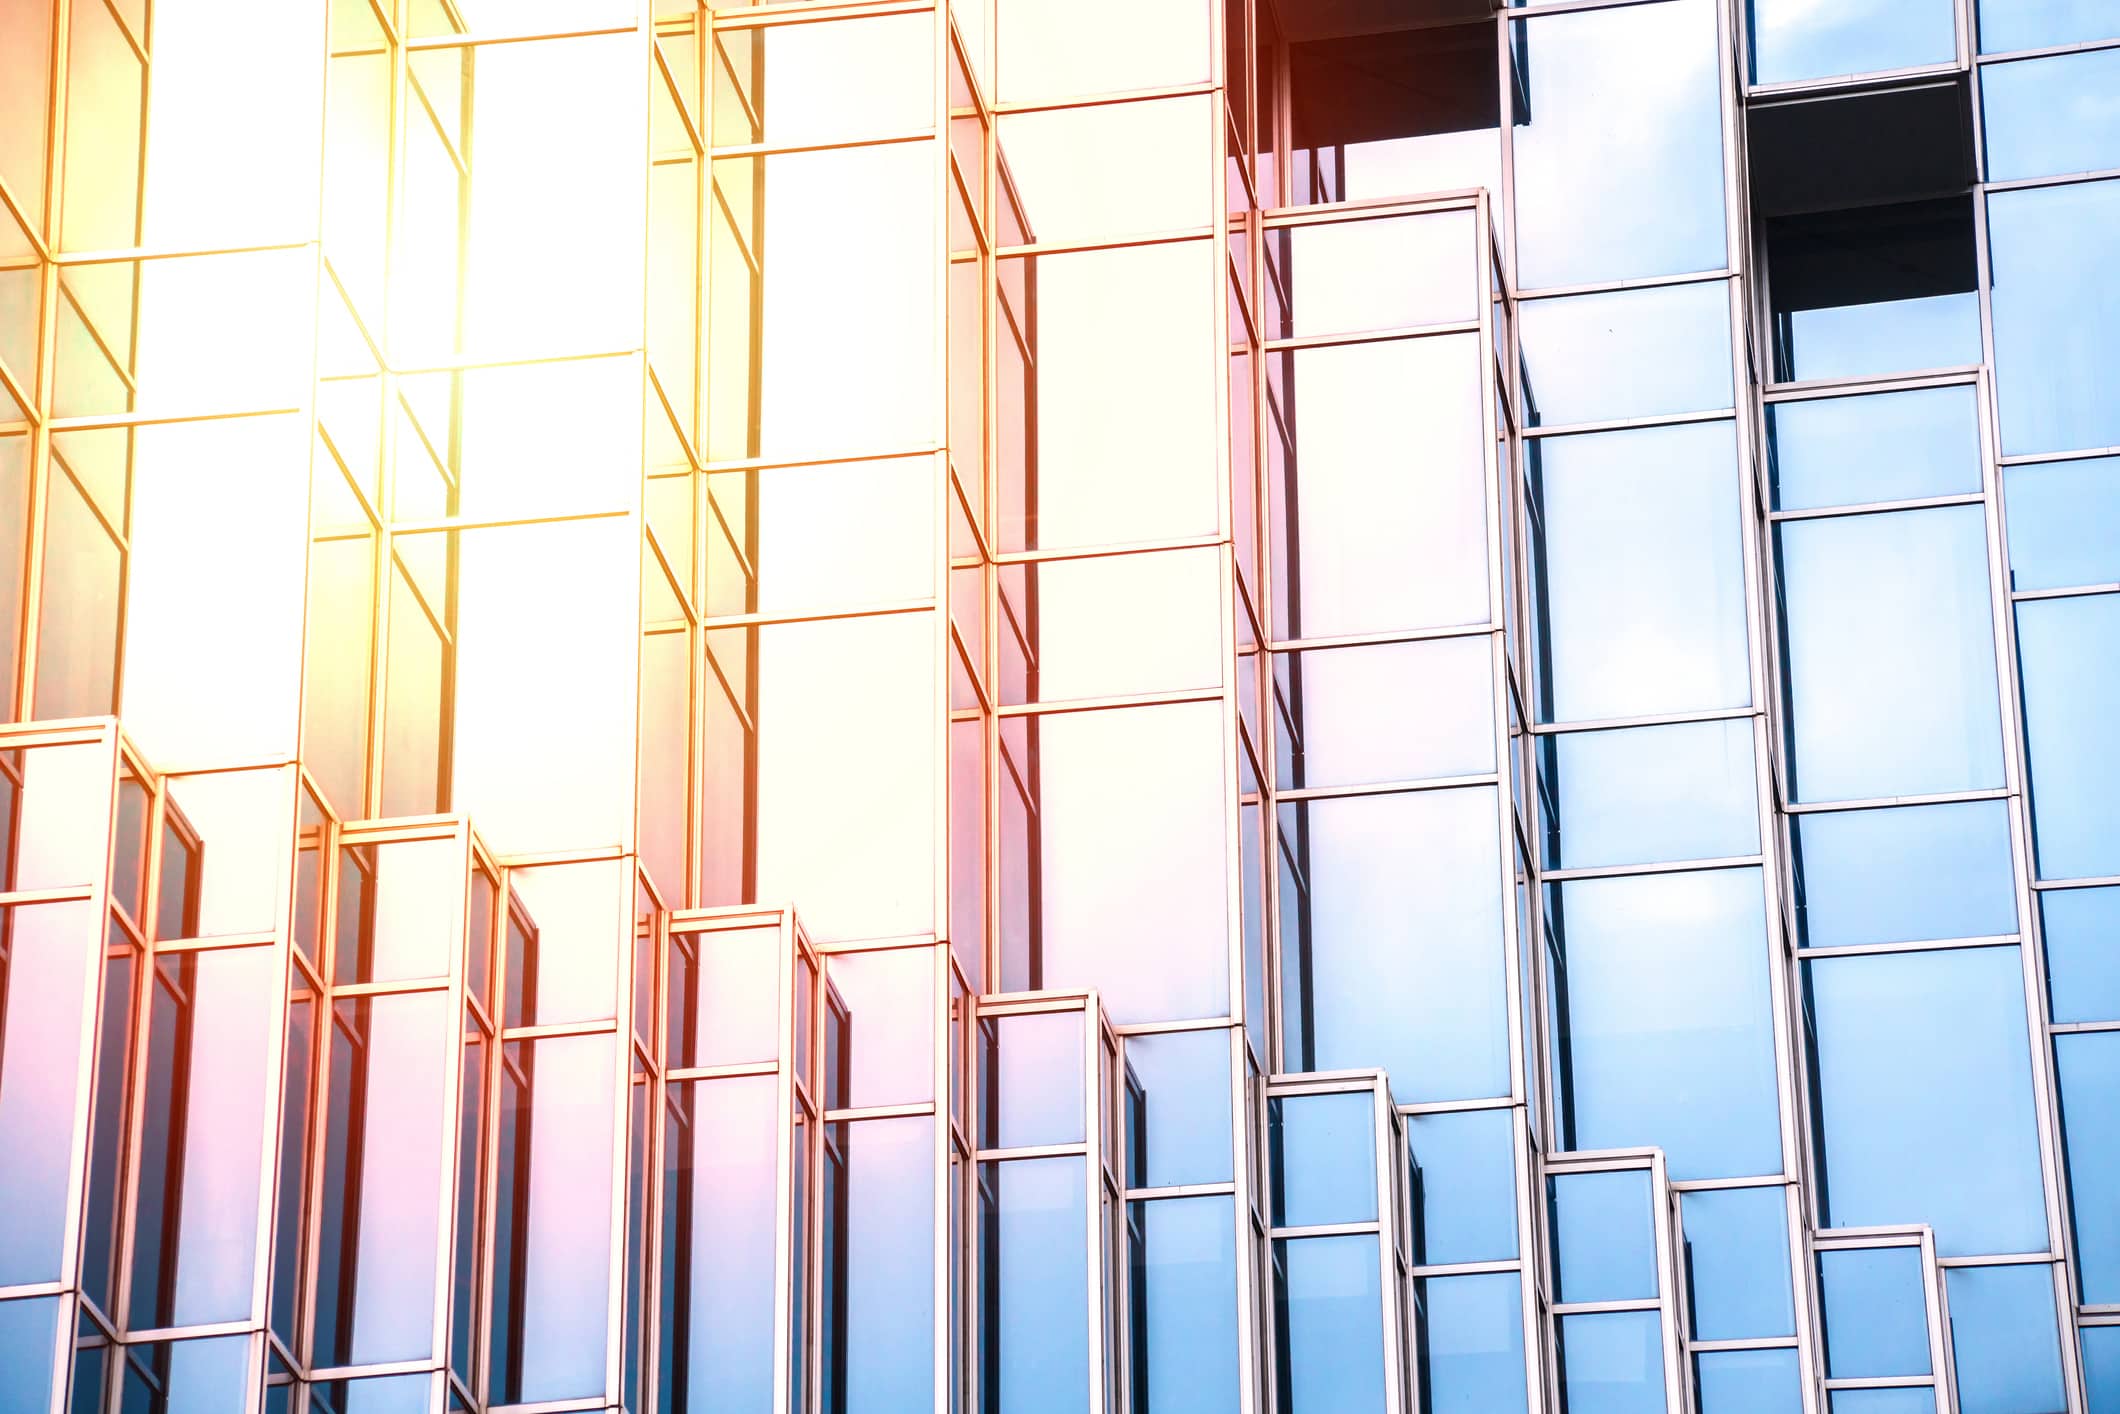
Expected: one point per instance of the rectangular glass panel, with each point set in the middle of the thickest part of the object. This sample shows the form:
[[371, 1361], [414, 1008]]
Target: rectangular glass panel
[[2055, 253], [1110, 626], [1183, 1305], [1611, 1363], [1464, 1186], [1123, 169], [1626, 354], [2068, 650], [2046, 117], [2064, 522], [1792, 41], [1906, 874], [1345, 277], [1650, 795], [1604, 1236], [1178, 1109], [1030, 1080], [2088, 1067], [1324, 1158], [879, 1204], [1328, 1310], [1387, 712], [1737, 1263], [718, 1243], [1876, 1321], [2004, 1345], [2082, 928], [1875, 447], [1471, 1345], [1034, 1285]]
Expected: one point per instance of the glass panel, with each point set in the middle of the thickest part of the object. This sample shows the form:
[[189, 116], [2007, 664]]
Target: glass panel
[[189, 1376], [1110, 626], [1388, 712], [2088, 1074], [1737, 1263], [839, 536], [2007, 25], [1906, 874], [2064, 522], [1082, 174], [1913, 1399], [2004, 1344], [1748, 1382], [821, 83], [1589, 209], [1876, 447], [1604, 1237], [1638, 571], [1345, 277], [1464, 1186], [1324, 1158], [879, 1198], [1066, 48], [47, 971], [2101, 1365], [566, 935], [1471, 1344], [2046, 117], [718, 1243], [2082, 928], [1792, 41], [1393, 957], [1626, 354], [1030, 1080], [2054, 255], [397, 910], [1612, 1363], [1184, 1306], [1874, 290], [1898, 699], [1876, 1316], [723, 997], [1924, 1096], [1328, 1310], [1650, 795], [1034, 1285], [1665, 1028], [29, 1339], [2067, 650], [1178, 1110], [886, 1052]]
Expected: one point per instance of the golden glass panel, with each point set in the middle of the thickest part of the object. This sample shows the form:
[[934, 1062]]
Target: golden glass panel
[[1118, 169], [1074, 48], [105, 88], [829, 82]]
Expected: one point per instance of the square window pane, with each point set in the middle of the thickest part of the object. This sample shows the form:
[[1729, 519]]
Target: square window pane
[[1876, 1315], [1737, 1263], [1464, 1186], [2064, 522], [2047, 117]]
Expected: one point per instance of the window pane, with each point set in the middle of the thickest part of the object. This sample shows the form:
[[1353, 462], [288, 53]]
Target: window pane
[[2007, 25], [1123, 169], [1590, 209], [2069, 656], [1907, 874], [2082, 929], [1924, 1096], [29, 1337], [1067, 48], [2004, 1344], [1388, 712], [1612, 1363], [1184, 1307], [1899, 698], [1876, 1316], [2056, 257], [719, 1176], [46, 972], [1178, 1126], [1876, 447], [1034, 1284], [822, 83], [1471, 1345], [1464, 1186], [1110, 626], [2064, 522], [1604, 1236], [1394, 956], [1329, 1310], [2101, 1365], [1911, 1399], [1324, 1158], [1665, 1028], [1627, 354], [1638, 571], [1793, 41], [887, 1050], [1345, 277], [1737, 1263], [2088, 1067], [1030, 1075], [1749, 1382], [2046, 117], [879, 1196], [1650, 795]]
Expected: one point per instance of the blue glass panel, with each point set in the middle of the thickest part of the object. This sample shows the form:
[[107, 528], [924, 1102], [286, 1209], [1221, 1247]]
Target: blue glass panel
[[1900, 698], [2064, 520], [1328, 1310], [1612, 1363], [1909, 1399], [1876, 447], [1638, 569], [1184, 1306], [1792, 41], [1177, 1130], [719, 1181], [2010, 25], [1397, 960], [2082, 952], [1665, 1030], [1590, 209], [391, 1394], [2068, 652], [1650, 795], [2088, 1066], [29, 1335], [1737, 1263], [1924, 1096], [1626, 354], [879, 1343], [1888, 336], [2004, 1341], [1904, 874], [2055, 257], [190, 1377], [1030, 1079], [1464, 1186], [1471, 1345], [1876, 1317], [2047, 117], [1324, 1158], [1748, 1382], [2101, 1367], [1034, 1285], [1604, 1236]]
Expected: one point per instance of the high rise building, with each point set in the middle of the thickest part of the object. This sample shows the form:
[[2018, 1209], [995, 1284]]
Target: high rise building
[[1111, 706]]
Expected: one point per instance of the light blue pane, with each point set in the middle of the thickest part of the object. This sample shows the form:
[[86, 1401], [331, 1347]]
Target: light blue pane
[[1877, 447], [2009, 25], [1924, 1101], [1591, 209], [1329, 1310], [1626, 354], [2055, 266], [1471, 1344], [1604, 1236], [1638, 570], [879, 1256], [1034, 1284], [1397, 960], [1665, 1029], [29, 1334], [2068, 652], [390, 1394], [1178, 1125], [2064, 520], [1890, 336], [197, 1376], [1737, 1263], [1464, 1186], [1031, 1080], [1749, 1382], [719, 1193], [1612, 1363], [1911, 1399], [1905, 874], [2088, 1064], [1877, 1321], [2101, 1368], [1184, 1306], [1324, 1158], [1899, 698], [2046, 117], [2004, 1341], [2082, 952], [1650, 795], [1793, 40]]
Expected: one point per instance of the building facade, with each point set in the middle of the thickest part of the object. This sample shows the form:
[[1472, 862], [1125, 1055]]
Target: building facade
[[1114, 706]]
